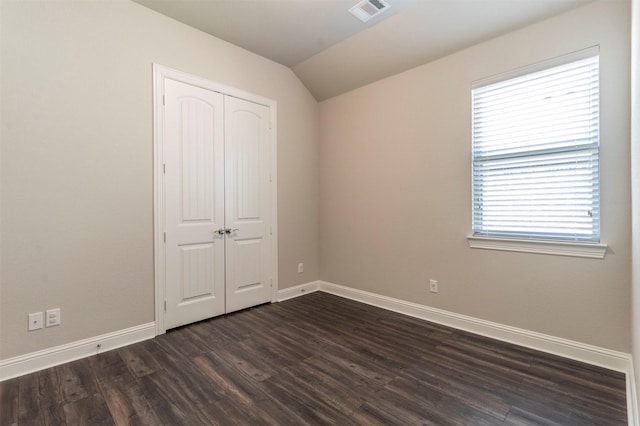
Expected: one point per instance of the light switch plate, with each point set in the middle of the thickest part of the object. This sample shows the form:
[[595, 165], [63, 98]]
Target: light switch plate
[[52, 317]]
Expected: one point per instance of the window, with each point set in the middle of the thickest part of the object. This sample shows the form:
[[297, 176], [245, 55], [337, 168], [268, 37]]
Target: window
[[536, 152]]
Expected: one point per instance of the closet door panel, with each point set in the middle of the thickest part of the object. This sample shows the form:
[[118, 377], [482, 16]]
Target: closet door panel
[[247, 203], [194, 211]]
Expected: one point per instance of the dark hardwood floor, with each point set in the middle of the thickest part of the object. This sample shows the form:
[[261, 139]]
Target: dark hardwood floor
[[317, 359]]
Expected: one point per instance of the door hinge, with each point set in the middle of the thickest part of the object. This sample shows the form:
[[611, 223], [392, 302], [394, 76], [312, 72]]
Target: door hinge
[[270, 282], [163, 100], [164, 168], [165, 305], [164, 235]]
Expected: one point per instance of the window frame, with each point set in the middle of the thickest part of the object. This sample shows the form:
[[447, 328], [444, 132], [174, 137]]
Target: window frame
[[533, 244]]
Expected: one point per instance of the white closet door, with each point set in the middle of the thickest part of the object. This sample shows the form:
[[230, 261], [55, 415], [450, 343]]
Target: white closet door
[[194, 197], [247, 204]]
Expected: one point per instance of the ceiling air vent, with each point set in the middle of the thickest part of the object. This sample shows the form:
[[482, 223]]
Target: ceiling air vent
[[367, 9]]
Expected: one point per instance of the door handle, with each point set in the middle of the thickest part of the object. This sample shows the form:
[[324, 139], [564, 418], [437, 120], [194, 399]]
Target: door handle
[[225, 231]]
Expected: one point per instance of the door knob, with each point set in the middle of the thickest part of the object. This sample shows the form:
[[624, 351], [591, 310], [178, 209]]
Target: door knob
[[229, 231], [220, 231]]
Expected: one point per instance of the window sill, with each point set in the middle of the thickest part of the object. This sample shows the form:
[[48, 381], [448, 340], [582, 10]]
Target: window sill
[[558, 248]]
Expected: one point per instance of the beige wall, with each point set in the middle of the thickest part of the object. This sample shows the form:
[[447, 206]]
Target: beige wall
[[395, 190], [76, 171]]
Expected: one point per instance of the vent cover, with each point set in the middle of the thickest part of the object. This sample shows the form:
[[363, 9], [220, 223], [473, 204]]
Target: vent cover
[[367, 9]]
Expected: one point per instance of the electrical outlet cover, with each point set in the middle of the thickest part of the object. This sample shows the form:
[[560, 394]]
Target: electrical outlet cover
[[35, 321]]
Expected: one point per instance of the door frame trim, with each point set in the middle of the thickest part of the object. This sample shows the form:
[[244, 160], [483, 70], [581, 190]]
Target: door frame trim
[[161, 72]]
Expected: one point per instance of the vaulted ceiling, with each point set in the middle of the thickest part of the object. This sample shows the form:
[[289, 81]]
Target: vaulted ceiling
[[332, 52]]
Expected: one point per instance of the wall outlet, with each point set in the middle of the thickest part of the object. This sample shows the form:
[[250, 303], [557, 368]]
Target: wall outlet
[[52, 317], [300, 268], [35, 321], [433, 286]]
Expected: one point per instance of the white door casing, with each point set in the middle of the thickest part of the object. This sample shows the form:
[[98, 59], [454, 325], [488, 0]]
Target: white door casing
[[216, 272]]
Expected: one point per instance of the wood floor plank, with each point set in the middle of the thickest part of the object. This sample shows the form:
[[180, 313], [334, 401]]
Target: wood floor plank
[[420, 337], [54, 415], [76, 380], [247, 395], [281, 349], [126, 401], [208, 336], [181, 343], [305, 335], [405, 322], [431, 405], [364, 416], [138, 359], [393, 410], [320, 386], [378, 350], [185, 375], [518, 417], [308, 409], [9, 401], [353, 369], [315, 360], [161, 402], [485, 357], [49, 391], [90, 410], [230, 328], [228, 412], [29, 411], [498, 353], [271, 411], [314, 334], [109, 364], [247, 360], [602, 384], [170, 403], [497, 380], [559, 402], [229, 380], [464, 391], [254, 320]]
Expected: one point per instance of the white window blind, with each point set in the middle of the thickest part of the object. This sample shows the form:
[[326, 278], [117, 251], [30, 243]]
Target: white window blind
[[536, 154]]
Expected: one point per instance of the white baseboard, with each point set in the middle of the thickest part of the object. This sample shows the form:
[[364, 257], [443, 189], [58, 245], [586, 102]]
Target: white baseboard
[[35, 361], [298, 290]]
